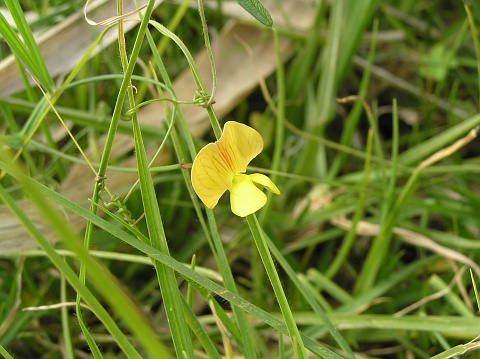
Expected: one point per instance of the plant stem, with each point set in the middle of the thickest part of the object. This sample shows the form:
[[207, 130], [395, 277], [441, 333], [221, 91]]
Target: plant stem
[[271, 270]]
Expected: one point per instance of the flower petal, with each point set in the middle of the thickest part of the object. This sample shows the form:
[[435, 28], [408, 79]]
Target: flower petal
[[238, 145], [245, 197], [216, 164], [264, 182], [211, 176]]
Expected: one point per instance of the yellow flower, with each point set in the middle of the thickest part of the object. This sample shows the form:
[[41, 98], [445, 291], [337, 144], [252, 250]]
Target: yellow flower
[[221, 166]]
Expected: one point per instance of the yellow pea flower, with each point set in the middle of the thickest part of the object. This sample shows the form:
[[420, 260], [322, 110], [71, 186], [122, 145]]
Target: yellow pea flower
[[221, 166]]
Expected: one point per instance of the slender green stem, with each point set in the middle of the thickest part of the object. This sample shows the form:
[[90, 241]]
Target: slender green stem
[[67, 338], [475, 290], [208, 48], [334, 332], [227, 276], [271, 270], [217, 130], [199, 331], [202, 98]]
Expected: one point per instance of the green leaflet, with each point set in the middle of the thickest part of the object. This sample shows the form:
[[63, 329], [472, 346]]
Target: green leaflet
[[257, 10]]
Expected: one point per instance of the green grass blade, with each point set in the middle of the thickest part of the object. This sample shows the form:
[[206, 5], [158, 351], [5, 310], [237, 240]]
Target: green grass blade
[[453, 326], [102, 279], [5, 353], [200, 332], [322, 103], [33, 59], [437, 142], [196, 279], [358, 15], [351, 124], [166, 277], [461, 349], [341, 255]]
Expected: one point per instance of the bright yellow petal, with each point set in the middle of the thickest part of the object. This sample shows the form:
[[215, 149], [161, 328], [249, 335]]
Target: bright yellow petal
[[216, 164], [264, 182], [238, 145], [245, 197], [211, 176]]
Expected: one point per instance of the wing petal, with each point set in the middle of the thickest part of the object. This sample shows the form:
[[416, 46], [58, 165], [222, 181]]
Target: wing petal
[[245, 197], [211, 176], [264, 182]]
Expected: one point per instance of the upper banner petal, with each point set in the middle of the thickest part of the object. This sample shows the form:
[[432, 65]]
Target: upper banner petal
[[238, 145]]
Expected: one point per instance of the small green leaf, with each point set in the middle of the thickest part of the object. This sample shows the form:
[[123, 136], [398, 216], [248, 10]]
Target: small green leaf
[[257, 10]]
